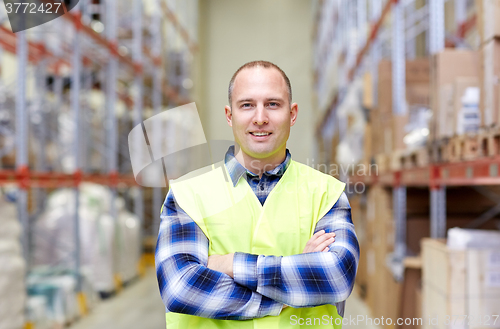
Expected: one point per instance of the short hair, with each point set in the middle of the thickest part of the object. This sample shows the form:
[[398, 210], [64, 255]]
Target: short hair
[[264, 64]]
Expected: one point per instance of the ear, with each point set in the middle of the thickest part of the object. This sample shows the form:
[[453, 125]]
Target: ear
[[229, 115], [294, 109]]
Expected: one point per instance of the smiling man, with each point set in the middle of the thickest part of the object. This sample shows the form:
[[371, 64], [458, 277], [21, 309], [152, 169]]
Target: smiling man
[[275, 244]]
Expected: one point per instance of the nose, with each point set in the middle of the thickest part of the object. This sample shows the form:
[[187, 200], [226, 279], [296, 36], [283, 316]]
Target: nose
[[260, 117]]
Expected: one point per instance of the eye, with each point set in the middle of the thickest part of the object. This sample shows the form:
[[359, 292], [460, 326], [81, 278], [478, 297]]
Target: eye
[[274, 104], [246, 105]]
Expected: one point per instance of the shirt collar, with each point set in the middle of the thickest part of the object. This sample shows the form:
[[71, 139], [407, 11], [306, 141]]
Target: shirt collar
[[236, 169]]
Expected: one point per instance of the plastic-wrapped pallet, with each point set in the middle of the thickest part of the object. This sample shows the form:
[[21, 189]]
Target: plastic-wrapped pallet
[[52, 300], [127, 242], [12, 270], [100, 263], [38, 312], [59, 292], [54, 234]]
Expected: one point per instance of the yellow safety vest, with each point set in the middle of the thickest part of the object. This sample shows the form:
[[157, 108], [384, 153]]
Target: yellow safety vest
[[234, 220]]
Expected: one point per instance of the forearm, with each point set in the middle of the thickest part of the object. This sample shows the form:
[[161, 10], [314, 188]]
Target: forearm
[[307, 279], [197, 290], [301, 280], [188, 286]]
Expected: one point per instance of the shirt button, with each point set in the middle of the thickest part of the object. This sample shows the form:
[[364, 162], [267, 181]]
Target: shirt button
[[262, 187]]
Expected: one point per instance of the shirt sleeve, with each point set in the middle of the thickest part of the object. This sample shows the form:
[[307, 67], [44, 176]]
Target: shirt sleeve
[[188, 286], [310, 279]]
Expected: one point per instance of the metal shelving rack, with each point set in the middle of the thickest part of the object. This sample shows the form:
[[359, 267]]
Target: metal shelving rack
[[89, 46], [337, 44]]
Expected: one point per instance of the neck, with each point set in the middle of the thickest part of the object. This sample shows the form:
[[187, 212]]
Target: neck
[[259, 165]]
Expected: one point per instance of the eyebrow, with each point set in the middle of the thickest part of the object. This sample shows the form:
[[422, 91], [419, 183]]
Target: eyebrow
[[267, 100], [245, 100], [275, 99]]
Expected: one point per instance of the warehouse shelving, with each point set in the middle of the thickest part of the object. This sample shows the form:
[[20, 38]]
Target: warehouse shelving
[[436, 176], [348, 44], [89, 54], [482, 171]]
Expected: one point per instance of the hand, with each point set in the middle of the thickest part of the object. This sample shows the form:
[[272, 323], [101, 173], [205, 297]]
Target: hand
[[221, 263], [319, 242]]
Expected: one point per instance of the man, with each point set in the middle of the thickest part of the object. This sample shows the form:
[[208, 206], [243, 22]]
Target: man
[[275, 246]]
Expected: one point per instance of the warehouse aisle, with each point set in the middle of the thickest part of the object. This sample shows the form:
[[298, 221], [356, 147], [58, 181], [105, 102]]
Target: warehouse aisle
[[137, 306], [356, 307]]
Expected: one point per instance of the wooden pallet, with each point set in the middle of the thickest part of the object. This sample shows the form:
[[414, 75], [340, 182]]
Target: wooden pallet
[[416, 158], [383, 162], [464, 147], [439, 150], [397, 160], [489, 142]]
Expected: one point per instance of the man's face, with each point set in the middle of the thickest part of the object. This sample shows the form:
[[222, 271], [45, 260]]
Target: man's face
[[260, 113]]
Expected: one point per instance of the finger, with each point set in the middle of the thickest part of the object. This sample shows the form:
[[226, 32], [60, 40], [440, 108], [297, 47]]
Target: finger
[[319, 233], [324, 244], [323, 233], [326, 249], [317, 241], [318, 245]]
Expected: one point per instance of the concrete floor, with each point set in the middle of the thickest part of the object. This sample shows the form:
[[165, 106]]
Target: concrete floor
[[140, 306], [137, 306], [355, 307]]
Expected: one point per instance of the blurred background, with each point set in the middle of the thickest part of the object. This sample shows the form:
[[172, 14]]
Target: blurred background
[[400, 99]]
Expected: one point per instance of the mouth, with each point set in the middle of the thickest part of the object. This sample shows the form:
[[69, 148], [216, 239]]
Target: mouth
[[260, 135]]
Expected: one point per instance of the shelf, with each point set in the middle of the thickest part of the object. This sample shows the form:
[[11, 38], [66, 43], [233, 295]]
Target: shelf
[[33, 179], [484, 171]]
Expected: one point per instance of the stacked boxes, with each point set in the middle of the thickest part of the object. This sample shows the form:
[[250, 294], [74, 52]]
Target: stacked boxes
[[388, 130], [383, 292], [489, 79], [461, 286], [488, 25], [447, 69]]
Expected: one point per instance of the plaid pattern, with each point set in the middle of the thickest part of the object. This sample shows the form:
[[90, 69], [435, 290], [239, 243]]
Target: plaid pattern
[[261, 284], [261, 187]]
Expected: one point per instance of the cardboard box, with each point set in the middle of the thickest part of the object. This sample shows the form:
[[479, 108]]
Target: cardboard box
[[381, 132], [488, 22], [368, 91], [459, 89], [359, 220], [459, 282], [417, 83], [384, 87], [368, 145], [398, 131], [489, 81], [446, 67], [418, 94], [383, 292], [411, 300]]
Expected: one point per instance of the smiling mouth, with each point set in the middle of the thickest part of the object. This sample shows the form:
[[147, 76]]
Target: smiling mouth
[[260, 134]]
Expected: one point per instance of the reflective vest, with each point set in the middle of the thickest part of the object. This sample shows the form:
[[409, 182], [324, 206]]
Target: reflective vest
[[234, 220]]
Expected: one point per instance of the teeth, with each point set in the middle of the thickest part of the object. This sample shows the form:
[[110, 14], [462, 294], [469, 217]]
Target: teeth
[[260, 134]]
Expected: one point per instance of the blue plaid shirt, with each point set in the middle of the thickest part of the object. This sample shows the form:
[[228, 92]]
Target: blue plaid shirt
[[261, 284]]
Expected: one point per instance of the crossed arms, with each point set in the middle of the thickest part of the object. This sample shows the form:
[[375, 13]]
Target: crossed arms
[[258, 285]]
